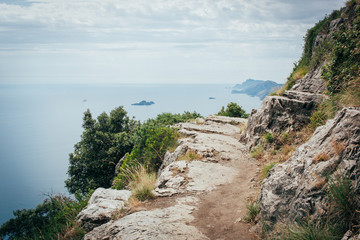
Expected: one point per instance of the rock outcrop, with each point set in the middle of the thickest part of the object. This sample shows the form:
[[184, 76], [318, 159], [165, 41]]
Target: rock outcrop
[[281, 113], [101, 205], [168, 223], [296, 188]]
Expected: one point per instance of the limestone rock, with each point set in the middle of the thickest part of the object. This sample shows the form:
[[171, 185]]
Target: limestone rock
[[294, 189], [277, 114], [183, 176], [102, 204], [168, 223], [312, 82], [171, 157], [349, 235]]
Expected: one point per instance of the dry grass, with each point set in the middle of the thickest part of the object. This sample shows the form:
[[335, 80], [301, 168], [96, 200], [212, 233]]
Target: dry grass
[[338, 147], [141, 182], [190, 156], [299, 73], [321, 157]]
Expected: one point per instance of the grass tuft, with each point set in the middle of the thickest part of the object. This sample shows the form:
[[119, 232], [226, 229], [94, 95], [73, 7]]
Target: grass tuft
[[321, 157], [141, 182], [346, 204], [253, 211], [308, 231], [266, 169], [190, 156], [258, 152]]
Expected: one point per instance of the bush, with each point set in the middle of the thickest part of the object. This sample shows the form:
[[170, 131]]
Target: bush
[[170, 119], [55, 218], [233, 110], [103, 142], [151, 141]]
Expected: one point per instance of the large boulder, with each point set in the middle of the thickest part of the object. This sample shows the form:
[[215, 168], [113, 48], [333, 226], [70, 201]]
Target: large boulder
[[102, 204], [169, 223], [296, 188], [280, 113]]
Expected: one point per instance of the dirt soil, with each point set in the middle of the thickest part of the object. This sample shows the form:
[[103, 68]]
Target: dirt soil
[[220, 212]]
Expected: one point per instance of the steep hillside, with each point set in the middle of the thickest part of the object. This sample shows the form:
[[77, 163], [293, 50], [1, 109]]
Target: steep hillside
[[317, 190], [323, 81]]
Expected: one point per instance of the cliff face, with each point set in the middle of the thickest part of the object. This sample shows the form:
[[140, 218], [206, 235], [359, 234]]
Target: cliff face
[[301, 187], [298, 188]]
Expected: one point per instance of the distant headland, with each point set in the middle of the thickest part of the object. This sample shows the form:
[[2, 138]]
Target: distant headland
[[258, 88]]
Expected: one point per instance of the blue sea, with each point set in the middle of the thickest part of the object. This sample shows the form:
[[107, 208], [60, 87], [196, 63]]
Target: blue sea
[[39, 125]]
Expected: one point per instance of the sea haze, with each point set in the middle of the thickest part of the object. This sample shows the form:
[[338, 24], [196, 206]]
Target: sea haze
[[39, 125]]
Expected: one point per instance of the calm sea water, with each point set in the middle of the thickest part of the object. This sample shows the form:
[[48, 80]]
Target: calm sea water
[[39, 124]]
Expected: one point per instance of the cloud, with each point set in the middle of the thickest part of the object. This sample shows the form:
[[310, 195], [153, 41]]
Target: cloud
[[220, 32]]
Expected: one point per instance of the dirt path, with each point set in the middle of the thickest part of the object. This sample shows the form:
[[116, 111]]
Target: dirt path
[[219, 212]]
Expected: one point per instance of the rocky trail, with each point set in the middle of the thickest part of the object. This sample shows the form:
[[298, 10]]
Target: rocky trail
[[202, 190]]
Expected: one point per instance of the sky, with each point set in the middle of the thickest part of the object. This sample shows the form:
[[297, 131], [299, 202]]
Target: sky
[[153, 41]]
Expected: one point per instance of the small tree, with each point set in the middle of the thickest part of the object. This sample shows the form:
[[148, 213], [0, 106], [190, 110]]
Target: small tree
[[233, 110], [103, 142]]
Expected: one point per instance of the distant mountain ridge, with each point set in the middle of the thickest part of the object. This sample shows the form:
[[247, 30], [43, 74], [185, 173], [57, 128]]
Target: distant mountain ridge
[[258, 88]]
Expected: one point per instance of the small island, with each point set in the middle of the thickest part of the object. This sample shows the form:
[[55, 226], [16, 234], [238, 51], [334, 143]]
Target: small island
[[143, 103], [211, 98]]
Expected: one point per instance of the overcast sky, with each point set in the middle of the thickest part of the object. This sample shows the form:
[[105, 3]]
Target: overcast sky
[[153, 41]]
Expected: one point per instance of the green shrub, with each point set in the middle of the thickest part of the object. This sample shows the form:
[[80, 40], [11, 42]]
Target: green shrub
[[55, 218], [269, 137], [170, 118], [318, 118], [233, 110], [151, 141]]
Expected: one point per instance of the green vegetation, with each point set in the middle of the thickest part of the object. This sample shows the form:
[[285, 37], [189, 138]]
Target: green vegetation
[[266, 169], [345, 207], [343, 214], [308, 231], [258, 152], [253, 211], [233, 110], [55, 218], [103, 142], [151, 141]]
